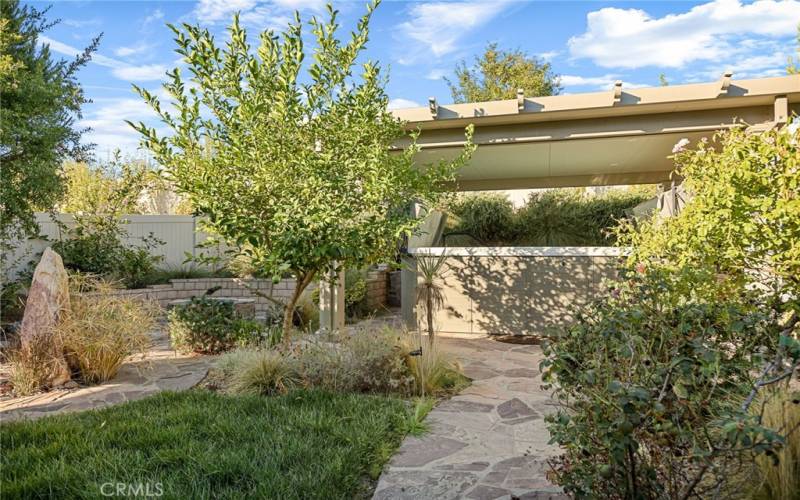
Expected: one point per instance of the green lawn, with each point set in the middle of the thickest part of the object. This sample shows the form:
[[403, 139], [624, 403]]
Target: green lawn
[[199, 444]]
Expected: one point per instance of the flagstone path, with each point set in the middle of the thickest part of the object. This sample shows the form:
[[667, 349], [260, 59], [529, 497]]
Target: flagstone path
[[162, 368], [487, 442]]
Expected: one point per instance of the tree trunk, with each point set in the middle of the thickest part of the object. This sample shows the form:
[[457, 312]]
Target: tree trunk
[[429, 314], [301, 283]]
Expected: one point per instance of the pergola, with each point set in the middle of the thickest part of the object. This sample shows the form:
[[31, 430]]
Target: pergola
[[621, 136]]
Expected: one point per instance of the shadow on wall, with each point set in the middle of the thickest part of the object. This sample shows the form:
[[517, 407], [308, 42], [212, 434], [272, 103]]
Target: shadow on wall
[[518, 295]]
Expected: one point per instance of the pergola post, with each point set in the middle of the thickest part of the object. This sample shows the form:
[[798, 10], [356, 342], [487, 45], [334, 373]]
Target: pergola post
[[331, 301], [408, 291]]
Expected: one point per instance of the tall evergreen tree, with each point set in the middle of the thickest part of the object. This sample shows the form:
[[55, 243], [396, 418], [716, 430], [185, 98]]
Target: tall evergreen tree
[[40, 102]]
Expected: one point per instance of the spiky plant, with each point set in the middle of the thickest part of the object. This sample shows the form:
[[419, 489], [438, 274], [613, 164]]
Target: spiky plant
[[430, 292]]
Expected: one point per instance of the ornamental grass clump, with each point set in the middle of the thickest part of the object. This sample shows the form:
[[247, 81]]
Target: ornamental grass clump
[[101, 329], [780, 474], [263, 372]]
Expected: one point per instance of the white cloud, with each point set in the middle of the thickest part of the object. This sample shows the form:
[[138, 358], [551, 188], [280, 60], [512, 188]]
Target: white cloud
[[438, 27], [146, 72], [119, 69], [598, 83], [436, 74], [583, 81], [139, 48], [402, 103], [275, 14], [548, 56], [631, 38], [155, 16], [106, 117]]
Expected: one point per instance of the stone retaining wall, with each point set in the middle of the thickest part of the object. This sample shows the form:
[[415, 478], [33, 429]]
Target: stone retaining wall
[[235, 287]]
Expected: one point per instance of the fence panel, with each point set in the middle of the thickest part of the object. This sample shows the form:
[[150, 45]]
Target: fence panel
[[178, 233]]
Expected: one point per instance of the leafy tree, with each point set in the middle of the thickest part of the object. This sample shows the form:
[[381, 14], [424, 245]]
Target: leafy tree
[[297, 173], [497, 74], [41, 99], [743, 222], [109, 189]]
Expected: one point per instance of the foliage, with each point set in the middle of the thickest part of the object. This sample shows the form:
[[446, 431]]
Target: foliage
[[101, 329], [365, 361], [94, 246], [430, 290], [487, 217], [295, 170], [41, 101], [198, 444], [780, 475], [100, 189], [12, 303], [498, 74], [29, 370], [558, 217], [100, 198], [435, 371], [655, 387], [415, 422], [371, 361], [264, 373], [211, 325], [742, 225], [355, 294]]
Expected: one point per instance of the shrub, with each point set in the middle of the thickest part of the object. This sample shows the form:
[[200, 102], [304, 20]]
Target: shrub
[[29, 370], [557, 217], [12, 304], [375, 361], [566, 217], [366, 361], [742, 224], [263, 372], [434, 371], [101, 329], [654, 388], [207, 325], [486, 217], [96, 248], [779, 475]]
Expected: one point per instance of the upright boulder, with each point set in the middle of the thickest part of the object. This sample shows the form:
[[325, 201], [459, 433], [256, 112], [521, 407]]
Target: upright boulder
[[48, 299]]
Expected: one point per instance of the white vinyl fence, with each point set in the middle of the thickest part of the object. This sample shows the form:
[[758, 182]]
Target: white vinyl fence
[[178, 232]]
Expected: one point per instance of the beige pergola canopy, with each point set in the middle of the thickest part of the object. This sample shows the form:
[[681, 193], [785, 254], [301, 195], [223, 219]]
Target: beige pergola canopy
[[622, 136]]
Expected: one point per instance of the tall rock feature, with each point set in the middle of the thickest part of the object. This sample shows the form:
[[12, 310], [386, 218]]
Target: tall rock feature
[[48, 299]]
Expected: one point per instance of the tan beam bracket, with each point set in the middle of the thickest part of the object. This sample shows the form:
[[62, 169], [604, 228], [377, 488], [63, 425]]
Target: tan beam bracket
[[781, 109], [617, 91], [520, 100], [725, 82]]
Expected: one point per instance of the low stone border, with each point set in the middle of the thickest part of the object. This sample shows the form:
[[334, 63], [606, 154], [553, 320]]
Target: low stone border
[[241, 288]]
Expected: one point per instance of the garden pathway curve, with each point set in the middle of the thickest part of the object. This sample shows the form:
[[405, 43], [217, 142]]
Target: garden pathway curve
[[487, 442], [162, 368]]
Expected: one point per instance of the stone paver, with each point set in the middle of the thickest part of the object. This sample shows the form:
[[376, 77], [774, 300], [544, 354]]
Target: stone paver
[[489, 441], [162, 368]]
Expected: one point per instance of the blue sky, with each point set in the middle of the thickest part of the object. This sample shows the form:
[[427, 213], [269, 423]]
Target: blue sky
[[590, 44]]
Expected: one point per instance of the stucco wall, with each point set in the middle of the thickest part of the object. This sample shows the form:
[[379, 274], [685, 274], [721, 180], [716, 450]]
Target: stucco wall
[[518, 291]]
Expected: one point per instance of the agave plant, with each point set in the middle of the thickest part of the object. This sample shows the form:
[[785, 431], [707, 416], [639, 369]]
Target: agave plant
[[429, 290]]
